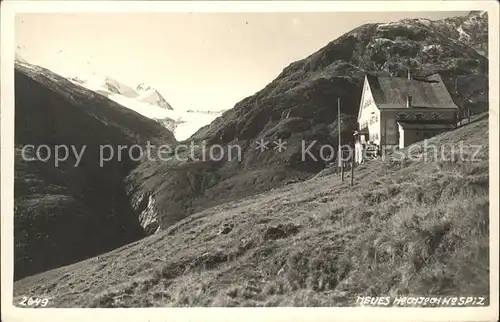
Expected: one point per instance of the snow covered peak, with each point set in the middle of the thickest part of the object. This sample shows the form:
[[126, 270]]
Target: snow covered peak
[[106, 85], [150, 95], [20, 59], [148, 102]]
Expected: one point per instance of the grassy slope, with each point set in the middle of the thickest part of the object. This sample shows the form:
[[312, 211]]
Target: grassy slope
[[408, 227]]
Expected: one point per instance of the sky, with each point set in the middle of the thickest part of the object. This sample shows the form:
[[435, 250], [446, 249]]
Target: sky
[[200, 61]]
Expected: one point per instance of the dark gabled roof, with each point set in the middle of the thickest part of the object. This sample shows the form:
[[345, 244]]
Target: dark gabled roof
[[425, 93]]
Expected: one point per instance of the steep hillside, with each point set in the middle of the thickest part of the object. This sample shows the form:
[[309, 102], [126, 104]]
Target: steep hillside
[[299, 106], [410, 225], [76, 209]]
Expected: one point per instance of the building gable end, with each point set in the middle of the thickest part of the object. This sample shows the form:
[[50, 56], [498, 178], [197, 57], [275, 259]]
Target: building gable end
[[367, 99]]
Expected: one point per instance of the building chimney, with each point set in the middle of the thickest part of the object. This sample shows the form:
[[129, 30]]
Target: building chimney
[[408, 101]]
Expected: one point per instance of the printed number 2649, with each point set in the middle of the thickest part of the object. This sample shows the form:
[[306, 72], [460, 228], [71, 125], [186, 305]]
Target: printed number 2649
[[34, 301]]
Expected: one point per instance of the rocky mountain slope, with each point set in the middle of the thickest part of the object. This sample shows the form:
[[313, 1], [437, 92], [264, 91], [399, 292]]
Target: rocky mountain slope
[[470, 30], [410, 226], [148, 102], [77, 209], [299, 106]]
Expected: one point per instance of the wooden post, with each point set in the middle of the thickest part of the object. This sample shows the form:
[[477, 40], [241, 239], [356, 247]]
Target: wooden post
[[342, 171], [353, 161], [339, 159]]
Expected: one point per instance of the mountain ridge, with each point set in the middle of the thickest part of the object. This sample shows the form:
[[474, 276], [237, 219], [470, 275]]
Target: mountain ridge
[[142, 92]]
